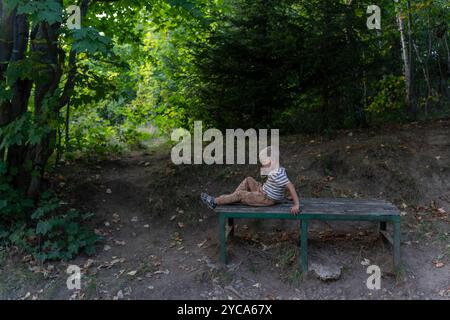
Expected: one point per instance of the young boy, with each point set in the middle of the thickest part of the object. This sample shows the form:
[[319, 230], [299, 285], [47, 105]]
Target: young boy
[[253, 193]]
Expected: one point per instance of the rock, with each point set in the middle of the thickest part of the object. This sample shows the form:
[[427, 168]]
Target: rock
[[326, 272], [119, 295]]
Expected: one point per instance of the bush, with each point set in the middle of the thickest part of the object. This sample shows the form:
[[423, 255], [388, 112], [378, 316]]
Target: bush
[[387, 103], [46, 232]]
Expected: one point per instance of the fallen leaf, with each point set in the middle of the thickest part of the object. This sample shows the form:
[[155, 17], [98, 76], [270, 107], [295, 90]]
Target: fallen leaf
[[119, 295], [181, 224], [439, 264], [26, 296], [162, 272], [121, 272], [173, 217], [116, 218], [365, 262], [132, 273], [107, 248], [88, 263], [113, 262], [108, 191], [201, 244]]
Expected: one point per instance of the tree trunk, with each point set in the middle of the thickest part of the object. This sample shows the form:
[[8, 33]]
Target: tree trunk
[[67, 129], [15, 45], [413, 104], [405, 55], [448, 52]]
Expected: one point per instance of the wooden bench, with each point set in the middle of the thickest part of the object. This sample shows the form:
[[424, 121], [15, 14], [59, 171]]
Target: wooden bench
[[316, 209]]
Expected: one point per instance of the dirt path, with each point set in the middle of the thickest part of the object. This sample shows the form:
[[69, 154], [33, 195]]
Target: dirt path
[[160, 243]]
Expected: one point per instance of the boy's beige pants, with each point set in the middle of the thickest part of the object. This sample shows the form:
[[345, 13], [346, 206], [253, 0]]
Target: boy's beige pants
[[249, 192]]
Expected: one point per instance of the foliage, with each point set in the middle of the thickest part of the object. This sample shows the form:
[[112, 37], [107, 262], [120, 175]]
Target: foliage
[[387, 103], [48, 232], [295, 65], [12, 204]]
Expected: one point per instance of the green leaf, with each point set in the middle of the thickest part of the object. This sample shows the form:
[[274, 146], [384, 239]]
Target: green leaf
[[89, 40], [49, 11], [42, 227], [3, 204], [9, 5]]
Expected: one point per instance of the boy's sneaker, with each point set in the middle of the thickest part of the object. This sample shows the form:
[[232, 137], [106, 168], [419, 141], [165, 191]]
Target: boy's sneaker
[[208, 200]]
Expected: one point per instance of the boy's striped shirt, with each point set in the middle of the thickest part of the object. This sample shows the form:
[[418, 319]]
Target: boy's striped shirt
[[276, 184]]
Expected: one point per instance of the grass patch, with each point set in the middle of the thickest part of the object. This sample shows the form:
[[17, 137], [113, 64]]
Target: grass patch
[[400, 274], [287, 255], [295, 276], [223, 277], [91, 289], [288, 261]]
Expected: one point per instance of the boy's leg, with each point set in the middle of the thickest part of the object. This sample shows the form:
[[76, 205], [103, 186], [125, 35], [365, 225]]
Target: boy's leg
[[257, 199], [228, 198], [248, 184]]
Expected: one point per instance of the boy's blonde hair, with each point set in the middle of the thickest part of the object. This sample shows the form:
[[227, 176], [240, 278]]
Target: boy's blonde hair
[[270, 154]]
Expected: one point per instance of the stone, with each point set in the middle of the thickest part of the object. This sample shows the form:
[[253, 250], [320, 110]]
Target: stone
[[326, 272]]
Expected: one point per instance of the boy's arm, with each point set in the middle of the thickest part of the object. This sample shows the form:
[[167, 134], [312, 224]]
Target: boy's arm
[[296, 207]]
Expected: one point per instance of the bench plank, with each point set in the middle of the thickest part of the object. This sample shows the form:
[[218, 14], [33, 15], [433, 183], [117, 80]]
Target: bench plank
[[320, 206]]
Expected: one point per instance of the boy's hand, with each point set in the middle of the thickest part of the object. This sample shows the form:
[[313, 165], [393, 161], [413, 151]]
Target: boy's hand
[[295, 209]]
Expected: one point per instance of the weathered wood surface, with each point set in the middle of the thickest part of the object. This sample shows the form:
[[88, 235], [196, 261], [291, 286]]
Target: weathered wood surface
[[338, 206]]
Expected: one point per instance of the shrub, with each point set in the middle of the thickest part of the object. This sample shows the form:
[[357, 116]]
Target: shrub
[[47, 231]]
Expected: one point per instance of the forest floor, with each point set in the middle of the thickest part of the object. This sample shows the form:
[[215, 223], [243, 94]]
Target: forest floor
[[160, 242]]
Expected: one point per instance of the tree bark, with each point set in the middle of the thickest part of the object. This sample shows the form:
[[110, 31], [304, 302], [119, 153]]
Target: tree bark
[[413, 104], [15, 45], [448, 52], [405, 55]]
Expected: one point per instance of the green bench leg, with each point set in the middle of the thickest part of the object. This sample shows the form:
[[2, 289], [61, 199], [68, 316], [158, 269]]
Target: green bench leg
[[397, 261], [304, 246], [383, 225], [223, 249]]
